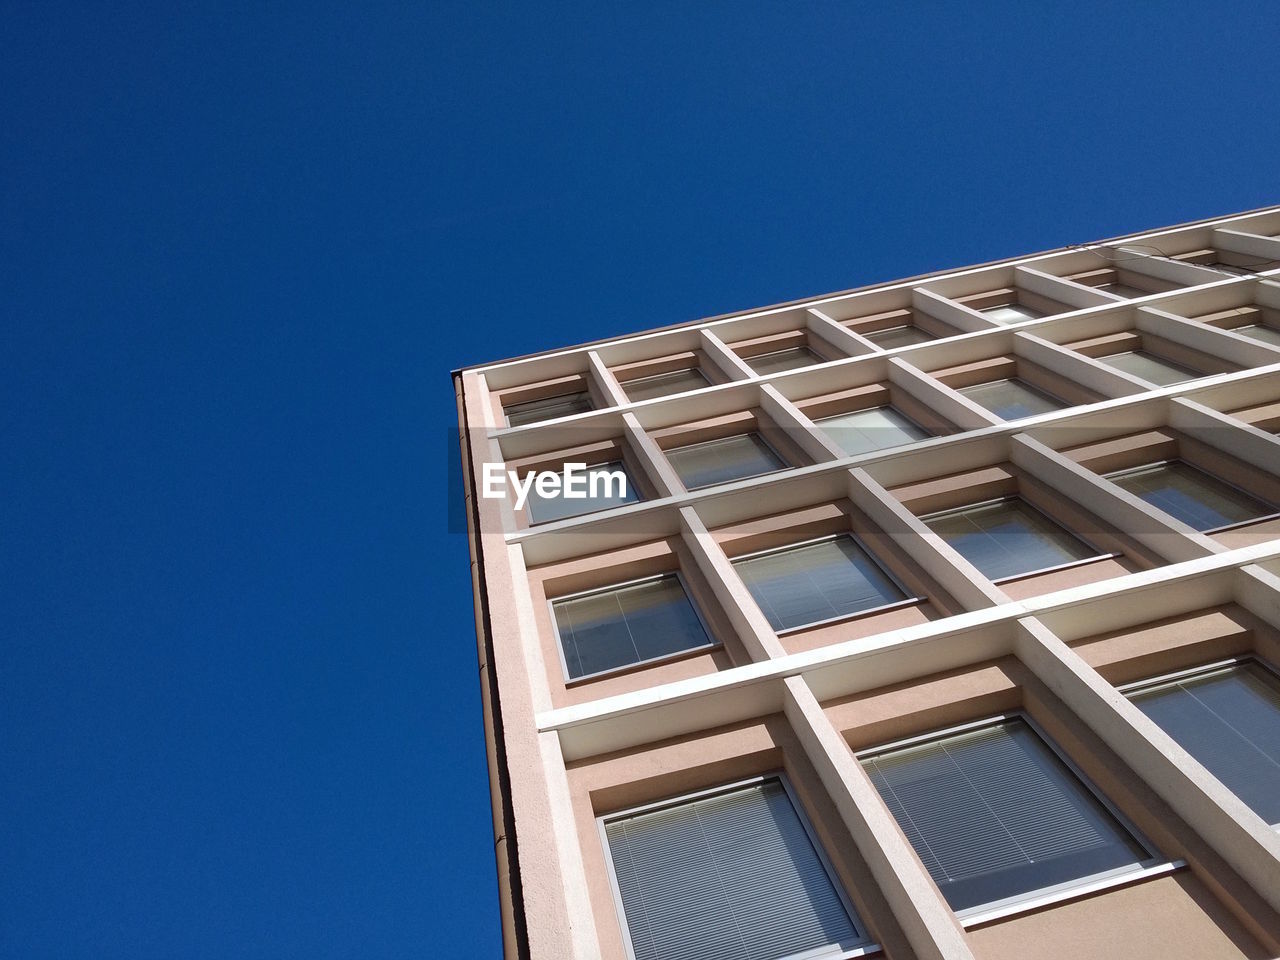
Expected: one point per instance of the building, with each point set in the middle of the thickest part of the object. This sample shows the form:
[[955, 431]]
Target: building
[[937, 618]]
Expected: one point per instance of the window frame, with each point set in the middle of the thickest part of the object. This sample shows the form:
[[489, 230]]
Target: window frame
[[1142, 350], [712, 643], [1111, 555], [696, 368], [890, 405], [1033, 388], [818, 359], [531, 523], [929, 337], [1198, 469], [584, 392], [908, 598], [867, 946], [1154, 863], [756, 432], [1241, 660]]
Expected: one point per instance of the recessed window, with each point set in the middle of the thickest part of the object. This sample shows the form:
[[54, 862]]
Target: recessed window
[[1012, 399], [997, 816], [621, 626], [793, 358], [1229, 719], [1190, 495], [606, 485], [1013, 313], [720, 461], [1260, 332], [665, 384], [548, 408], [1151, 368], [1124, 290], [1008, 538], [808, 584], [876, 429], [729, 875], [903, 336]]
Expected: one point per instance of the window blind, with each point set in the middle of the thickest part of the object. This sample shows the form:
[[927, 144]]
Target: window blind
[[1012, 399], [665, 384], [903, 336], [609, 494], [876, 429], [792, 358], [535, 411], [816, 582], [630, 624], [719, 461], [1192, 496], [1008, 538], [732, 876], [1012, 313], [1229, 720], [1151, 368], [993, 814]]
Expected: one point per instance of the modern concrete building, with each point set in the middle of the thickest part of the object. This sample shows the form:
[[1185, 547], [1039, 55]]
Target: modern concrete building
[[938, 618]]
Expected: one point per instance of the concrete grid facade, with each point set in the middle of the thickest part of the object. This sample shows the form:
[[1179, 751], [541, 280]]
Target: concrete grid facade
[[1149, 591]]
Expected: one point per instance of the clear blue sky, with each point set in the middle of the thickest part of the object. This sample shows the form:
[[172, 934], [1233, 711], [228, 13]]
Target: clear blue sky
[[242, 247]]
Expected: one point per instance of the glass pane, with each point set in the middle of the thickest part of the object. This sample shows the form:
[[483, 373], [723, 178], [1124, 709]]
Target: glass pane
[[1229, 720], [790, 359], [1151, 368], [1125, 290], [816, 582], [1013, 313], [903, 336], [719, 461], [533, 411], [1012, 399], [605, 485], [615, 628], [1260, 332], [665, 384], [994, 813], [1192, 496], [1008, 538], [866, 430], [727, 877]]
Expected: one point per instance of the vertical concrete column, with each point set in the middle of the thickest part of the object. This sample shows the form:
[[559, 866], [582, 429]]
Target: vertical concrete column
[[838, 335], [604, 381], [1064, 291], [1160, 533], [1141, 259], [656, 466], [1222, 432], [750, 625], [1258, 591], [554, 895], [1247, 244], [956, 575], [942, 400], [1235, 832], [1085, 371], [816, 444], [729, 363], [948, 311], [919, 908], [1243, 351]]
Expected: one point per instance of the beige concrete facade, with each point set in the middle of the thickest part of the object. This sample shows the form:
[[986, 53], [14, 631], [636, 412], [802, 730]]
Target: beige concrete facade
[[1156, 595]]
